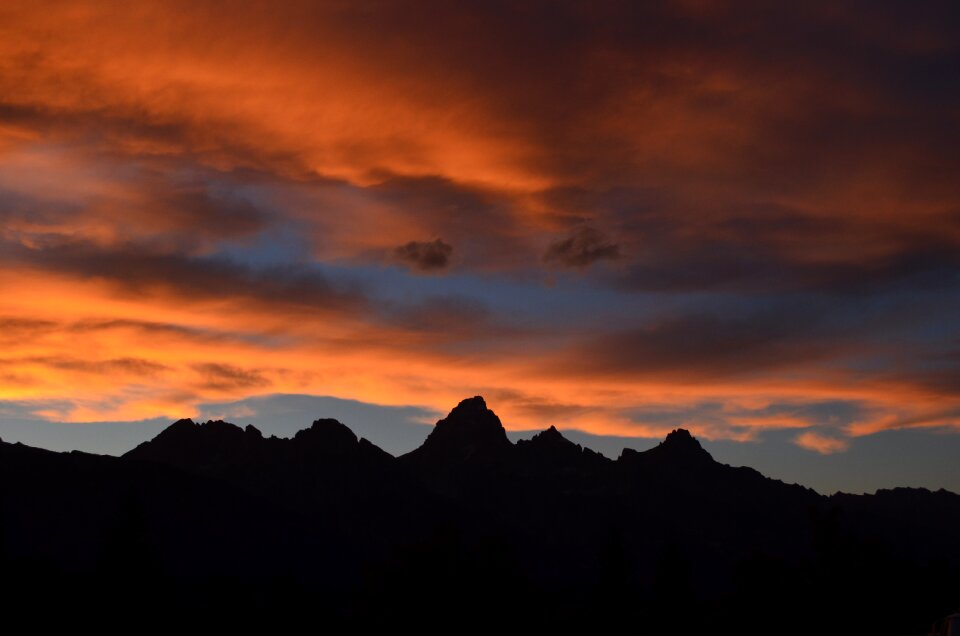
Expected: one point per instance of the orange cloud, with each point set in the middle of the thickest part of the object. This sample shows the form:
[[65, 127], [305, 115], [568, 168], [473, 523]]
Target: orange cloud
[[822, 444]]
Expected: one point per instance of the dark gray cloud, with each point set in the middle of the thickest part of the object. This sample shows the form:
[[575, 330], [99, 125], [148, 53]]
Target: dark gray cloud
[[208, 206], [455, 324], [424, 256], [584, 247], [735, 266], [139, 270], [700, 346]]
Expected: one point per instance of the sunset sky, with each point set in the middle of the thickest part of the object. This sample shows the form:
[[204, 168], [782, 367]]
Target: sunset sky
[[618, 218]]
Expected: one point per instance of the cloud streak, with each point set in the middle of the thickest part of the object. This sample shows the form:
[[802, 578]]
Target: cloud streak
[[582, 248]]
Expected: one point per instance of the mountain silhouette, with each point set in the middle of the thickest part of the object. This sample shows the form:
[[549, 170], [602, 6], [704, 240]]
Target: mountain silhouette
[[214, 522], [471, 433], [549, 452]]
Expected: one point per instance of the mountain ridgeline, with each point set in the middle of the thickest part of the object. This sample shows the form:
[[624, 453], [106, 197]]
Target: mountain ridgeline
[[213, 522]]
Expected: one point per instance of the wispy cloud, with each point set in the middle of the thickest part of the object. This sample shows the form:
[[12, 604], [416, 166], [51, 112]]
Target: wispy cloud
[[823, 444]]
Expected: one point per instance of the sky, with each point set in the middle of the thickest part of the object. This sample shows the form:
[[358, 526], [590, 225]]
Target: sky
[[617, 218]]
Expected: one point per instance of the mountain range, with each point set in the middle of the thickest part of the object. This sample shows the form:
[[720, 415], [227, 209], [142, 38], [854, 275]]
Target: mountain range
[[214, 523]]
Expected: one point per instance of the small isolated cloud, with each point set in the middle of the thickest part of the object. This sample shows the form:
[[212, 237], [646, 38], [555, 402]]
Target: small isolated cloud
[[822, 444], [424, 256], [582, 249]]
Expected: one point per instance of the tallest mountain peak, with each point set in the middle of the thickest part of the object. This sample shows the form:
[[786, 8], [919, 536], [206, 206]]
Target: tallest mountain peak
[[476, 404], [470, 430]]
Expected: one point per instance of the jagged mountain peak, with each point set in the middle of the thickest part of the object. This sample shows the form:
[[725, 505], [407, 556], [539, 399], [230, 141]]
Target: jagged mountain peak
[[469, 430], [681, 439], [472, 405], [679, 444], [551, 437], [329, 434], [210, 430], [679, 447], [549, 450], [187, 443]]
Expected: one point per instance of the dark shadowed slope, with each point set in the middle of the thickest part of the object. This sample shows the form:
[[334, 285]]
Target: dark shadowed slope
[[545, 531]]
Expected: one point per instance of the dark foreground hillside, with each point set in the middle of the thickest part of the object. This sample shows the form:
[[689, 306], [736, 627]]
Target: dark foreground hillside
[[210, 525]]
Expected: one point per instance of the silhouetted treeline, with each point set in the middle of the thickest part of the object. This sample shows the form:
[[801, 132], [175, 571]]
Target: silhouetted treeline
[[214, 525]]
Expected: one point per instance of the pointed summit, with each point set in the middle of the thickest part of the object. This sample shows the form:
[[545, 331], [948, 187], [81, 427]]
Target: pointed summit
[[471, 406], [679, 448], [550, 438], [680, 440], [470, 431], [550, 453], [549, 449]]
